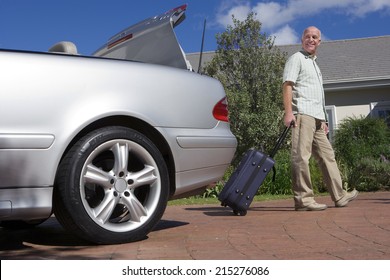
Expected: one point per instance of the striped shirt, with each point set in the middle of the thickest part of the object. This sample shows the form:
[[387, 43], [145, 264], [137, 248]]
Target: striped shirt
[[308, 92]]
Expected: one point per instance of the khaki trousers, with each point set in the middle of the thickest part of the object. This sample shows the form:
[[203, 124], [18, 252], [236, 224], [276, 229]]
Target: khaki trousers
[[308, 139]]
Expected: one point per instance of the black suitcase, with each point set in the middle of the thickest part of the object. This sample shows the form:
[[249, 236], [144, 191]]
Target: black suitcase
[[245, 181]]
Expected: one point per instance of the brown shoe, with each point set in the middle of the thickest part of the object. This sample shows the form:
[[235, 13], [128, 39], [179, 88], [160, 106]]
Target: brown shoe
[[342, 202], [312, 207]]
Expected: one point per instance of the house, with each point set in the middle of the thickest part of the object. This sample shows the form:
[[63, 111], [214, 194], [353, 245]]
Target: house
[[356, 75]]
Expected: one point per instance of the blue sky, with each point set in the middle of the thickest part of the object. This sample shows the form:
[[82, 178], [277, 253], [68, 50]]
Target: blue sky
[[38, 24]]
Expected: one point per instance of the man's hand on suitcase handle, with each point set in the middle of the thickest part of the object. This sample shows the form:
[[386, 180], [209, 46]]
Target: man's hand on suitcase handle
[[290, 120]]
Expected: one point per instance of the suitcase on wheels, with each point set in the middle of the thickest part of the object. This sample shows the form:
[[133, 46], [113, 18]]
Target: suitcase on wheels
[[245, 181]]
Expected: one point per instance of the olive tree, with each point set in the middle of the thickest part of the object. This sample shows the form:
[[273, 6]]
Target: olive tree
[[250, 67]]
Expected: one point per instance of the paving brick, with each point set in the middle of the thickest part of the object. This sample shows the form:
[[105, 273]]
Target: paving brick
[[271, 230]]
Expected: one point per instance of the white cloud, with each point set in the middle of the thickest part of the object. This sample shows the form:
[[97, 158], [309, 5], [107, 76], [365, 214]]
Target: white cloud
[[371, 6], [285, 36], [276, 17], [272, 14], [239, 9], [239, 12]]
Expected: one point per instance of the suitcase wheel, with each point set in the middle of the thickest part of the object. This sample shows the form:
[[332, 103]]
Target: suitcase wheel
[[239, 212]]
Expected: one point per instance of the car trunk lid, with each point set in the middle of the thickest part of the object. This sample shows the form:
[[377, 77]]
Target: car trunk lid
[[151, 41]]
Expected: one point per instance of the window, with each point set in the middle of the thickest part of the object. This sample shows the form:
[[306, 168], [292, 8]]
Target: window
[[381, 110], [332, 121]]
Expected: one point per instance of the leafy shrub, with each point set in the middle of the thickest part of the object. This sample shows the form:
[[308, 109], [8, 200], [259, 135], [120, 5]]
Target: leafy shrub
[[372, 175], [362, 148], [358, 138]]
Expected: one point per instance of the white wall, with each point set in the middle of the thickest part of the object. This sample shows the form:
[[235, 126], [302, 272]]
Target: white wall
[[356, 102]]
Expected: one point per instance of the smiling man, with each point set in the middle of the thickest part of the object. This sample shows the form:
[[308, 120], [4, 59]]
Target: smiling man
[[304, 104]]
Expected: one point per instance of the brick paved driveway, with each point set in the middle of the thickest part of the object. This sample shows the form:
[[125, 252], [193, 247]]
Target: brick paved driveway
[[271, 230]]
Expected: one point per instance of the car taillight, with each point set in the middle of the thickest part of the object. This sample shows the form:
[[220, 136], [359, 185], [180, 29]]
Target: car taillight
[[220, 111]]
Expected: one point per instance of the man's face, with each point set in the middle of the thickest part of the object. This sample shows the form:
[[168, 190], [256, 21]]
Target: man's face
[[311, 39]]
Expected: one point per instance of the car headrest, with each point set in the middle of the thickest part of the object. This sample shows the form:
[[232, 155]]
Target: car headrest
[[64, 47]]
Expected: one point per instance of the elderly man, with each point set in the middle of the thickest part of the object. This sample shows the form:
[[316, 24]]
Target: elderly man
[[304, 104]]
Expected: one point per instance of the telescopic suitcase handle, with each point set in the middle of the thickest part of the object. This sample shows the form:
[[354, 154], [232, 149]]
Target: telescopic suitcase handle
[[281, 139], [277, 146]]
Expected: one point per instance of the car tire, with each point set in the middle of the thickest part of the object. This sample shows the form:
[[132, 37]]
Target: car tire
[[112, 186]]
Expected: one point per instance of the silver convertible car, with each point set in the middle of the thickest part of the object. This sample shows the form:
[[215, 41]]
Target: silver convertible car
[[104, 141]]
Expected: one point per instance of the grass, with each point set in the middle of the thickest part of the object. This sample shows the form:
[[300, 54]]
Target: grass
[[196, 200]]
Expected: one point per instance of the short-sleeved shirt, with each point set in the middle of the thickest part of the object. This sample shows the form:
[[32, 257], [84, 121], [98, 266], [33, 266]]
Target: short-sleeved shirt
[[308, 92]]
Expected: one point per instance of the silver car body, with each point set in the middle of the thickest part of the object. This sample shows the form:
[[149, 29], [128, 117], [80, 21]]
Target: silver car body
[[49, 100]]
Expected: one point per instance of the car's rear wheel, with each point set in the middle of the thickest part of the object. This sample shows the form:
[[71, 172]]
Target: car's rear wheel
[[112, 186]]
